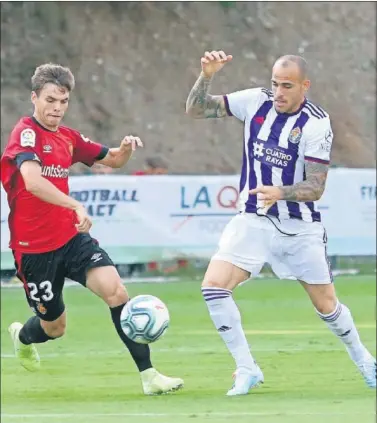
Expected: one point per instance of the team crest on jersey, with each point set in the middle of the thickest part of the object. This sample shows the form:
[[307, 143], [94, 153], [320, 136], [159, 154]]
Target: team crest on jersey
[[41, 308], [27, 138], [295, 135]]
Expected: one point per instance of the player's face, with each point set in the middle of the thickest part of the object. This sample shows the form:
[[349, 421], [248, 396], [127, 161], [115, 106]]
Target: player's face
[[50, 105], [289, 88]]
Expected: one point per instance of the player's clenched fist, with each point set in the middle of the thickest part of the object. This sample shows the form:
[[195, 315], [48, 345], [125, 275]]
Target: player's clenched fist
[[213, 61], [130, 143], [85, 223]]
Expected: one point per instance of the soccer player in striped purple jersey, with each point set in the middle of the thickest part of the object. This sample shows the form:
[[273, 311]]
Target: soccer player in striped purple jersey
[[286, 154]]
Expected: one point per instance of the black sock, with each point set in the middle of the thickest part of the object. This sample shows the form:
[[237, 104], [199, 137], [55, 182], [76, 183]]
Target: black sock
[[32, 332], [139, 352]]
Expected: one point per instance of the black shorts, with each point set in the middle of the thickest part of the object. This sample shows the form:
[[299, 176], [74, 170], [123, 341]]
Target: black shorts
[[43, 274]]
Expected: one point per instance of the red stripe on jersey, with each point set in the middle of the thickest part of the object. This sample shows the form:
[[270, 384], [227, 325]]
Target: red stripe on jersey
[[18, 257]]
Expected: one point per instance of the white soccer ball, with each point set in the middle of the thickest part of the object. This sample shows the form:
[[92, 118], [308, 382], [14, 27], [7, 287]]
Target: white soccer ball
[[144, 319]]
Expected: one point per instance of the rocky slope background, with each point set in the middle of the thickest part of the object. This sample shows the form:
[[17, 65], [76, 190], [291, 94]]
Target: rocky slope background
[[135, 63]]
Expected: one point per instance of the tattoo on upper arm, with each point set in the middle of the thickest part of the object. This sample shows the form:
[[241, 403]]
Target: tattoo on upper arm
[[312, 188], [200, 104]]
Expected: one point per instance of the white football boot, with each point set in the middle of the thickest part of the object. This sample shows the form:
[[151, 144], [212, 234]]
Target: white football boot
[[368, 369], [244, 380], [154, 383], [27, 354]]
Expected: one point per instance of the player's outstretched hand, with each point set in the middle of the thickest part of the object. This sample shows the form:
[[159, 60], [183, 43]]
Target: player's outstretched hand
[[213, 61], [85, 223], [268, 194], [130, 143]]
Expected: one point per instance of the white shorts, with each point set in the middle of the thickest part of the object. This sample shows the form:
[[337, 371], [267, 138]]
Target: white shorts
[[249, 241]]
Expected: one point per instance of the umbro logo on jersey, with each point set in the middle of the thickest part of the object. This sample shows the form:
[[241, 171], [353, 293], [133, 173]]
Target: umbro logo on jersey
[[47, 148], [96, 257]]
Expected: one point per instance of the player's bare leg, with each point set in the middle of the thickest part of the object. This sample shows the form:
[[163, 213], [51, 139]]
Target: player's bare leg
[[34, 331], [56, 328], [219, 281], [339, 320], [106, 283]]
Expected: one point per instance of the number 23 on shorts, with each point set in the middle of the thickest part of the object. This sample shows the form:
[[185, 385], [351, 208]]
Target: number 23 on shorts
[[41, 292]]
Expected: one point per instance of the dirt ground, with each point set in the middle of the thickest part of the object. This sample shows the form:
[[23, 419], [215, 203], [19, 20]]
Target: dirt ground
[[135, 64]]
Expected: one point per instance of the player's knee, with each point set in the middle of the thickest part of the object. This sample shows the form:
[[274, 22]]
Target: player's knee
[[224, 275], [218, 281], [117, 296], [107, 284], [326, 305], [213, 283]]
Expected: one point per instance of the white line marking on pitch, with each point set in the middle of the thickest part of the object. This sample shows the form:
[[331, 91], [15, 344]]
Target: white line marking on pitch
[[304, 331], [93, 415], [183, 350]]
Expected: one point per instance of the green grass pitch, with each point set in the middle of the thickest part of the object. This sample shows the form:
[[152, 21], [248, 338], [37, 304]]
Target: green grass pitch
[[87, 376]]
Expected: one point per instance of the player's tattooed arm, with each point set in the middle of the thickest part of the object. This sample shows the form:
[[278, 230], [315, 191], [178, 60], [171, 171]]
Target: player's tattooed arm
[[312, 188], [200, 104]]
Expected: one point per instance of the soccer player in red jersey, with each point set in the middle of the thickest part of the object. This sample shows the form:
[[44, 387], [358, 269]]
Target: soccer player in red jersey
[[49, 229]]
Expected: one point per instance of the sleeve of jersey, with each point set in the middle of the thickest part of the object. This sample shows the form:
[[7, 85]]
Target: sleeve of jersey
[[25, 157], [319, 142], [23, 146], [237, 103], [87, 151]]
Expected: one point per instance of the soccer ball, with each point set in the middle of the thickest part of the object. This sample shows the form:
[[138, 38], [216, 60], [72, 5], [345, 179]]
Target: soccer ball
[[144, 319]]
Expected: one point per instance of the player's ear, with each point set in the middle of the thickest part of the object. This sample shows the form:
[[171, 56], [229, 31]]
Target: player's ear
[[306, 85], [34, 97]]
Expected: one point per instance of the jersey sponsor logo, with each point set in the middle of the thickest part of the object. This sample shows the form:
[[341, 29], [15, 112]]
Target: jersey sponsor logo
[[47, 148], [271, 155], [27, 138], [55, 171], [328, 136], [326, 144], [295, 135], [258, 150]]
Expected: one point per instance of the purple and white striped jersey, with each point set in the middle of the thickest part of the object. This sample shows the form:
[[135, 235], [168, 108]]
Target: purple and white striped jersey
[[276, 146]]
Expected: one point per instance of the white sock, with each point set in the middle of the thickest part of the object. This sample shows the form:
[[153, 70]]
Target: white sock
[[341, 323], [227, 320]]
